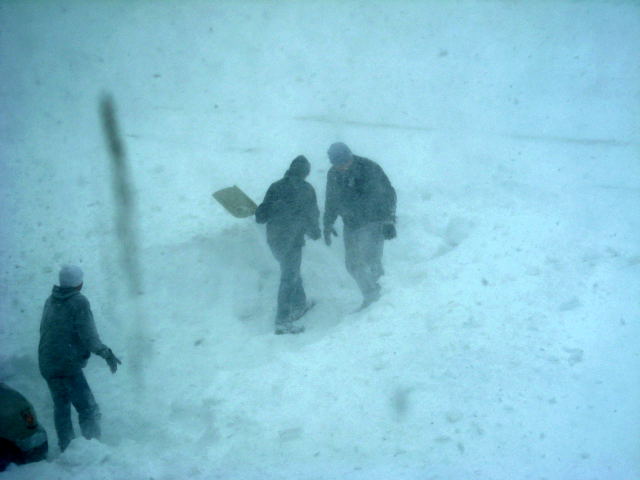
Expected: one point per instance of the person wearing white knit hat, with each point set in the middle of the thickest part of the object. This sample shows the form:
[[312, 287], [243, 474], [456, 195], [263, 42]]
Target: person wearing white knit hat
[[68, 337], [70, 276]]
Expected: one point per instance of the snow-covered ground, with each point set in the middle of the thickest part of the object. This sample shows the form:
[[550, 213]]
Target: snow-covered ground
[[507, 342]]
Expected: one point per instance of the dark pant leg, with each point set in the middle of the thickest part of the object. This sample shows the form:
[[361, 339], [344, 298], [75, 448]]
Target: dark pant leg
[[291, 295], [59, 389], [84, 402], [363, 257], [298, 295], [373, 250]]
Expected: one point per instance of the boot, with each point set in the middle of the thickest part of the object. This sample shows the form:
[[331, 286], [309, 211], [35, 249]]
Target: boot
[[288, 328], [369, 298], [300, 312]]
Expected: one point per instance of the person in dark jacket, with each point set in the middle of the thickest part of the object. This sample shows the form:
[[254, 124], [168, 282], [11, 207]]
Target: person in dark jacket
[[360, 192], [290, 210], [68, 337]]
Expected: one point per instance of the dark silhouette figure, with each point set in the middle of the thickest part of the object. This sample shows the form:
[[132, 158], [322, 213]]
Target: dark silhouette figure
[[290, 210], [68, 337]]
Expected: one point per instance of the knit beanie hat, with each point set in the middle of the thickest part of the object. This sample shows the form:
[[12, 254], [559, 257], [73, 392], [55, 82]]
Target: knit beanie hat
[[70, 276], [299, 167], [339, 154]]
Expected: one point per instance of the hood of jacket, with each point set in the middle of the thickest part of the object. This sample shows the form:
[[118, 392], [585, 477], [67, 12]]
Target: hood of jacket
[[64, 293], [299, 168]]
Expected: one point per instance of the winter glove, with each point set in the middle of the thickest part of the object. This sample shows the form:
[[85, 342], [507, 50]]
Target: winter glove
[[261, 213], [314, 234], [388, 231], [111, 359], [328, 231]]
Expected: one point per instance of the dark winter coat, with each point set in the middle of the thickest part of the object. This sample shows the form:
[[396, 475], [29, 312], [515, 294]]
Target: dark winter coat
[[68, 334], [290, 210], [361, 194]]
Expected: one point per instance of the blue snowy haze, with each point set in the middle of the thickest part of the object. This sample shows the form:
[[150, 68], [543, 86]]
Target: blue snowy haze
[[507, 341]]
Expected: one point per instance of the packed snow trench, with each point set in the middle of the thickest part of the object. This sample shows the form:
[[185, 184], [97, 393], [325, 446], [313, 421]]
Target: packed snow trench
[[506, 344]]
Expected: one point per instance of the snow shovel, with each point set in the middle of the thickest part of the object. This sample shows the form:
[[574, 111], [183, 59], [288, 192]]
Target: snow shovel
[[235, 201]]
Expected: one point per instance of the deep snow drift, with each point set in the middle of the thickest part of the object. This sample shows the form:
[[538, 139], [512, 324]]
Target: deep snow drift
[[506, 344]]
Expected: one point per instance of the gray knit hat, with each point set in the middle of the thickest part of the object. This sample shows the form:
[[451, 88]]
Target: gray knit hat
[[70, 276], [339, 154]]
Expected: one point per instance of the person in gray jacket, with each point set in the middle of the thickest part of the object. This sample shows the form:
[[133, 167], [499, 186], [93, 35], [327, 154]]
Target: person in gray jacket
[[68, 337], [360, 192]]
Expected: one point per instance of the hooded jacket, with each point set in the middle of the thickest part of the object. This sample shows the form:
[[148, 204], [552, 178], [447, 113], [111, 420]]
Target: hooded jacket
[[68, 334], [290, 210], [361, 194]]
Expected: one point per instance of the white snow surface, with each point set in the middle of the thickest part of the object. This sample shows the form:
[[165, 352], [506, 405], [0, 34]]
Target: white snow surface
[[507, 341]]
